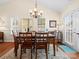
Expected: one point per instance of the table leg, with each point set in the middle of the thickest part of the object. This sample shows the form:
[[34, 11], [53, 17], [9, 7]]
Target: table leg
[[54, 47]]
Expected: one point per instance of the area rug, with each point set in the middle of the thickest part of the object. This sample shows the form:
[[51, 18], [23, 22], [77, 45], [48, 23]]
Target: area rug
[[40, 54]]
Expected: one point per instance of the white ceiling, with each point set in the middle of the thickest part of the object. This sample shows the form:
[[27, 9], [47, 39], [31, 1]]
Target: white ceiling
[[56, 5]]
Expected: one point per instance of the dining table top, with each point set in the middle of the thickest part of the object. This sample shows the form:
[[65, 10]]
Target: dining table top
[[33, 36]]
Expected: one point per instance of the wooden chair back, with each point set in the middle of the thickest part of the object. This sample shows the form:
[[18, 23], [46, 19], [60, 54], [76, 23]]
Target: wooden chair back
[[41, 37], [25, 37]]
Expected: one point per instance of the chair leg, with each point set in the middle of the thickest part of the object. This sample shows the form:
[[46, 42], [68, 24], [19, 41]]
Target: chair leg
[[21, 54], [57, 46], [46, 53], [31, 53], [36, 54], [16, 46], [15, 51], [48, 47]]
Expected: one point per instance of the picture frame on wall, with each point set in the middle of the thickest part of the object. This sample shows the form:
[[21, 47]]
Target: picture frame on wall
[[52, 23]]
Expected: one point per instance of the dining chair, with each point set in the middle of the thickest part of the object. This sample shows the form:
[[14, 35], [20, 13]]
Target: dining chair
[[41, 42], [33, 39], [16, 43], [22, 35], [51, 41], [26, 42]]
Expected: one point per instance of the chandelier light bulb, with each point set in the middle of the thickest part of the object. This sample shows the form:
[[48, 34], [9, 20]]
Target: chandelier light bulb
[[41, 11], [35, 9], [30, 11], [39, 14], [33, 13]]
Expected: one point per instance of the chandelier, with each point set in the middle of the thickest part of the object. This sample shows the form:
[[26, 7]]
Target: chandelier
[[35, 13]]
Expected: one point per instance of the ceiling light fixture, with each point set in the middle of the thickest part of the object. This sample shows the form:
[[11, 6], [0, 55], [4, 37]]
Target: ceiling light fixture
[[35, 13]]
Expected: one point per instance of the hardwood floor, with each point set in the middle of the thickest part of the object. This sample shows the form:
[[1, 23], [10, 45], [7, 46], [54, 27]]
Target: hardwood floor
[[5, 47], [73, 55]]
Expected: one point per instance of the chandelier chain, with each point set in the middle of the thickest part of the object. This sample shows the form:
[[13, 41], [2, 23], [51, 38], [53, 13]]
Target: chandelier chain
[[35, 3]]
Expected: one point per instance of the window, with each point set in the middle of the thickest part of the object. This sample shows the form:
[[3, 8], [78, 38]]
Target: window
[[68, 28], [41, 24]]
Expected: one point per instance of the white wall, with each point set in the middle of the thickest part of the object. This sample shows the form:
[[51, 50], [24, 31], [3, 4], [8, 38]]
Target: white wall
[[20, 9]]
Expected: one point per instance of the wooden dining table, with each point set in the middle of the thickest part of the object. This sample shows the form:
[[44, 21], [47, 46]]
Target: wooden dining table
[[17, 43]]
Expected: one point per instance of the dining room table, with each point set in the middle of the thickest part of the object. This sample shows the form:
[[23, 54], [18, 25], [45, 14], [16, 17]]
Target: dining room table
[[17, 42]]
